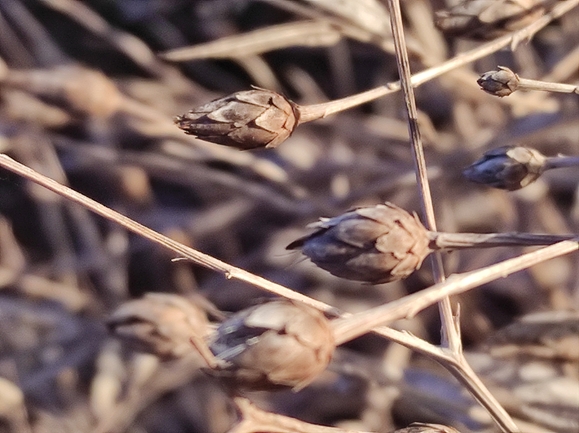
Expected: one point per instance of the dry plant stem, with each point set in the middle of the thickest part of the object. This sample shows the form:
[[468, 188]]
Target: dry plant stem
[[561, 162], [450, 333], [526, 84], [456, 284], [189, 253], [450, 322], [351, 326], [457, 241], [318, 111], [348, 328]]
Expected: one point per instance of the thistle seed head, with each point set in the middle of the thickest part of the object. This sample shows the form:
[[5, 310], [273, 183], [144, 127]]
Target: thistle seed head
[[244, 120], [507, 167], [277, 344], [372, 244], [488, 19], [159, 323], [501, 82]]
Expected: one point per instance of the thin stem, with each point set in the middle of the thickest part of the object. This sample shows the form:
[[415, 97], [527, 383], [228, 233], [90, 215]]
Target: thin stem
[[456, 365], [450, 322], [191, 254], [317, 111], [443, 240], [561, 162], [450, 334], [349, 327], [346, 329], [546, 86]]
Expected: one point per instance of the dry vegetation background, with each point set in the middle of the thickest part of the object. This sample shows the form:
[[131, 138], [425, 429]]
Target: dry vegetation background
[[87, 100]]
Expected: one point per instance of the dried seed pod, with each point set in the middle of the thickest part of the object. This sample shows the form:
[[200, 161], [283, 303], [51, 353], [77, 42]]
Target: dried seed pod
[[507, 167], [277, 344], [501, 82], [159, 323], [85, 91], [488, 19], [418, 427], [373, 244], [244, 120]]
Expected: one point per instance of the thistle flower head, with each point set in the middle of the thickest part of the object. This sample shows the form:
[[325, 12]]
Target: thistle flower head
[[277, 344], [372, 244], [501, 82], [244, 120], [507, 167], [159, 323]]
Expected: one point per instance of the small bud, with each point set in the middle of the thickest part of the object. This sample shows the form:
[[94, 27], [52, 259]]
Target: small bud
[[159, 323], [501, 82], [245, 120], [488, 19], [276, 344], [507, 167], [373, 244]]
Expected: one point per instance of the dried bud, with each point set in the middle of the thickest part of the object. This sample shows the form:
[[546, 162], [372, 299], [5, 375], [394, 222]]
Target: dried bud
[[279, 343], [245, 120], [488, 19], [507, 167], [501, 82], [85, 91], [373, 244], [160, 323], [418, 427]]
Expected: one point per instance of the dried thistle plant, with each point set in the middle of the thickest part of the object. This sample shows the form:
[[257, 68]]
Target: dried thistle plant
[[383, 243], [275, 344], [260, 347]]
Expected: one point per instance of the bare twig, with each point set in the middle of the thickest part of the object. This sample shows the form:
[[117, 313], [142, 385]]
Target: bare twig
[[445, 240], [322, 110], [456, 284], [184, 251], [449, 332], [450, 321]]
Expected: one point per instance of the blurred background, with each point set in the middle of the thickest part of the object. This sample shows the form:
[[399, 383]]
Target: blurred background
[[88, 90]]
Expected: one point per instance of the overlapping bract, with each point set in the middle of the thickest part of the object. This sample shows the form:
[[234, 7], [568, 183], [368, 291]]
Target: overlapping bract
[[374, 244]]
